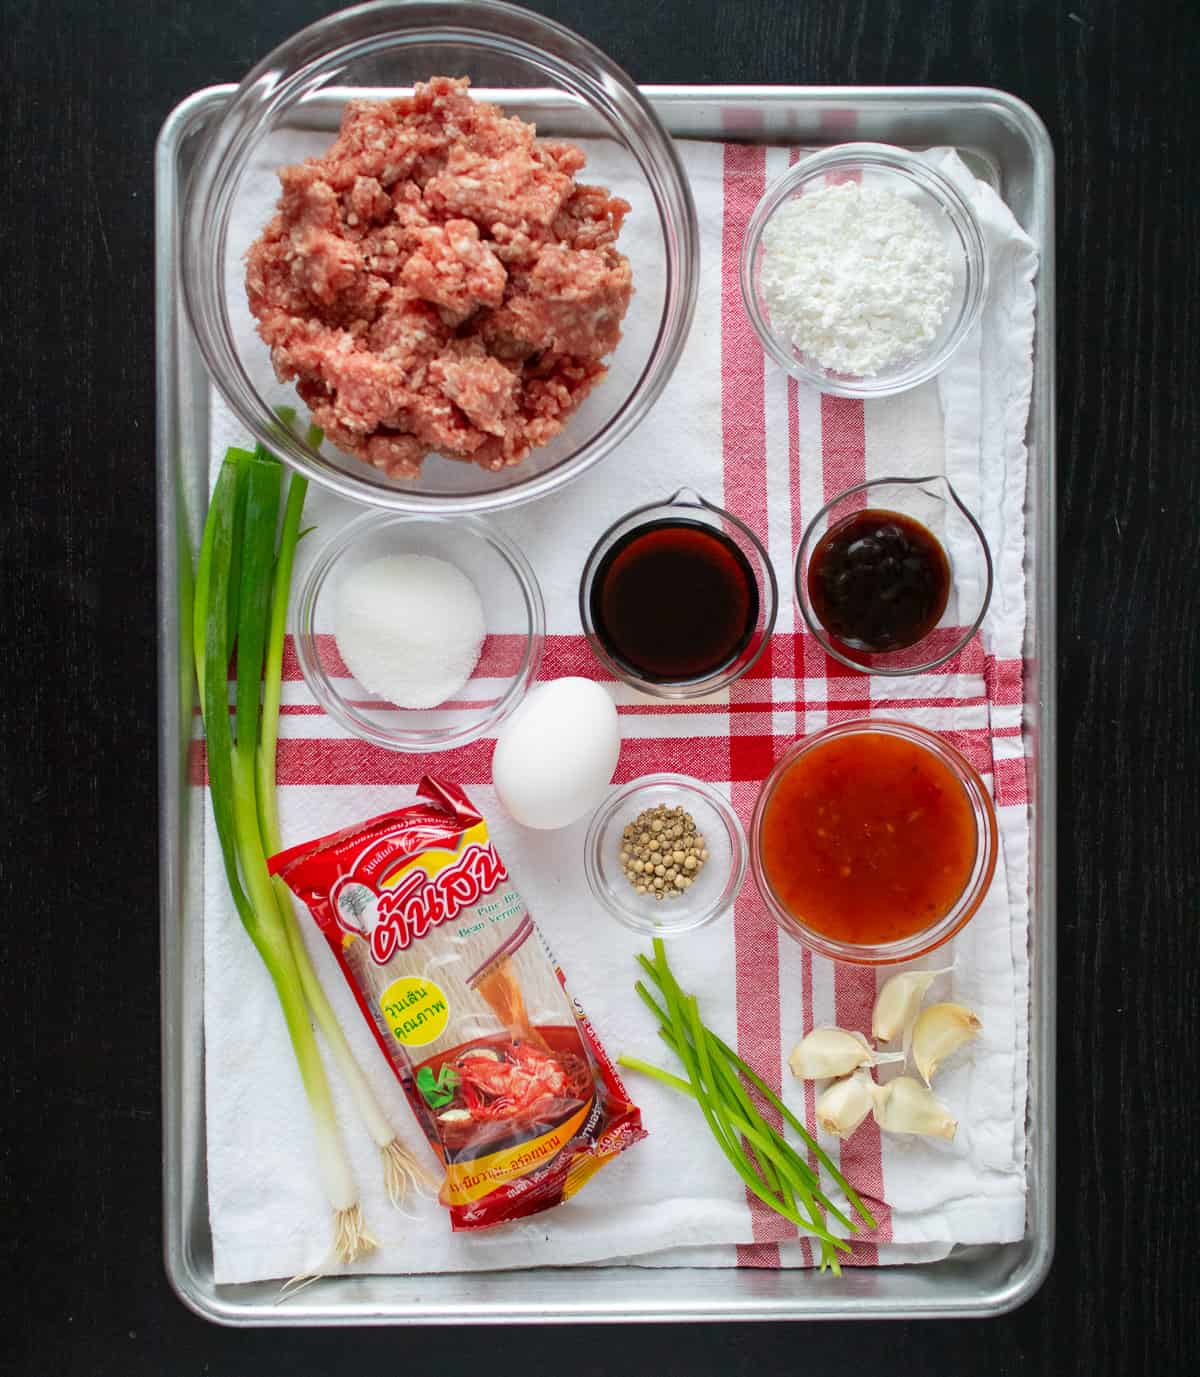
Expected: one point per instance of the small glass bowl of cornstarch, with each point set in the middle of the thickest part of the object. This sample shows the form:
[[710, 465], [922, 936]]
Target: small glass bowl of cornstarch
[[863, 269]]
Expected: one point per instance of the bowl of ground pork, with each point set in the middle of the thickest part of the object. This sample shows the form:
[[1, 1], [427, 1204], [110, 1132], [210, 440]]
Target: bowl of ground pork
[[452, 238]]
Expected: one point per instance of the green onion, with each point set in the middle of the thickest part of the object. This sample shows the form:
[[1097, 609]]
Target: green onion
[[239, 541], [401, 1171], [241, 599], [214, 648], [767, 1163]]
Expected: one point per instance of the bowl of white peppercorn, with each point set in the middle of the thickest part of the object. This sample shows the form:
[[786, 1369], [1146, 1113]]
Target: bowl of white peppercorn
[[665, 854], [864, 268]]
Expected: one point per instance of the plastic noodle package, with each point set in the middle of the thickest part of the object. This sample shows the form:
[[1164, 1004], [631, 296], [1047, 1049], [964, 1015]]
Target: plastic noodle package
[[500, 1066]]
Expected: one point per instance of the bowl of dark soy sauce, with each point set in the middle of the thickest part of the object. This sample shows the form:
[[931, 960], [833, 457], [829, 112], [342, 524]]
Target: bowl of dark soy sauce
[[894, 576], [678, 598]]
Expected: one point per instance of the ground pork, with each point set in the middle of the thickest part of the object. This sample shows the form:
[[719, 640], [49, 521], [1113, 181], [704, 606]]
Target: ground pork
[[438, 282]]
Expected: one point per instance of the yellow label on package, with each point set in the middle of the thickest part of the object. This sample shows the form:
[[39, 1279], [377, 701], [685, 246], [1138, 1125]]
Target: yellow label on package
[[479, 1176], [415, 1009]]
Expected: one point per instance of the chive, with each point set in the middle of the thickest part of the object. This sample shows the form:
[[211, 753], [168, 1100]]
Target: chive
[[727, 1074], [798, 1168], [700, 1042], [769, 1095], [818, 1151], [685, 1088], [729, 1147], [730, 1081], [657, 1073], [786, 1167], [218, 525], [760, 1153], [667, 1034], [287, 420]]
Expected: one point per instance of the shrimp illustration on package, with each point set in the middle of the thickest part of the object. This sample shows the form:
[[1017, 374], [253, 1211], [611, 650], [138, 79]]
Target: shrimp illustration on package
[[499, 1064]]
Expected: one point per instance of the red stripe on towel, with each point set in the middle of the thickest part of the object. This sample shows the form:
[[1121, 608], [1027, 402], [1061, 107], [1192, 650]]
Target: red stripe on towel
[[744, 447], [807, 1016], [844, 464]]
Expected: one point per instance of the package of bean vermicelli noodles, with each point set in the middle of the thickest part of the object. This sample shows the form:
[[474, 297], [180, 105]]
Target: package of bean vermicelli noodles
[[501, 1067]]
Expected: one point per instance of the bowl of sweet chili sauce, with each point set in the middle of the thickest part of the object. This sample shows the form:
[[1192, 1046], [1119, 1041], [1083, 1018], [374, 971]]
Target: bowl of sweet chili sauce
[[873, 842]]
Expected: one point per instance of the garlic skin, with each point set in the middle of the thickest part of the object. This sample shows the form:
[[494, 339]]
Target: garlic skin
[[906, 1106], [828, 1052], [939, 1031], [846, 1103], [899, 1002]]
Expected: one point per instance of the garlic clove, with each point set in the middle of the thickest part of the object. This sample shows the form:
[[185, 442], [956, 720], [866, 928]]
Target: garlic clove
[[828, 1052], [899, 1002], [940, 1030], [846, 1103], [906, 1106]]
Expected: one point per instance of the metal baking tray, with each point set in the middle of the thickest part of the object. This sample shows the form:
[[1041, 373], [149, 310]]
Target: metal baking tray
[[1004, 142]]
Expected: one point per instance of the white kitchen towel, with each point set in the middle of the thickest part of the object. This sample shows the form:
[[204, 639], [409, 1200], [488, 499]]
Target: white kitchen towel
[[746, 436]]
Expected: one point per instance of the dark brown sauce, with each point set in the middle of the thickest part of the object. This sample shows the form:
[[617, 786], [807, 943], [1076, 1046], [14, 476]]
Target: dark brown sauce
[[674, 601], [879, 580]]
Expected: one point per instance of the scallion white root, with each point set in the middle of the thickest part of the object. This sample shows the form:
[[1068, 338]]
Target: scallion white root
[[351, 1239], [401, 1171]]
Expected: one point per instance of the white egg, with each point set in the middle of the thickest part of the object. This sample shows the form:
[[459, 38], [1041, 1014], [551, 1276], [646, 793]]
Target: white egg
[[556, 754]]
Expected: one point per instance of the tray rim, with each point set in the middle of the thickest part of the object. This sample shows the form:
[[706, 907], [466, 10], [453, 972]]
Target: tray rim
[[192, 1290]]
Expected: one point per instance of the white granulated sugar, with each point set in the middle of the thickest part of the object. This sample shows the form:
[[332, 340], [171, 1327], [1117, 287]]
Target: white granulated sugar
[[410, 628], [856, 277]]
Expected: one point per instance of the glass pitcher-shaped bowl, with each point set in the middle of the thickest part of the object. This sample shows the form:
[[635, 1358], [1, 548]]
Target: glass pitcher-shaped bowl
[[691, 521], [933, 503]]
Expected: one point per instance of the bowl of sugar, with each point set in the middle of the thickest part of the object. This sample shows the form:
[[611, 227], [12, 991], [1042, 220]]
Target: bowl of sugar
[[863, 269], [419, 633]]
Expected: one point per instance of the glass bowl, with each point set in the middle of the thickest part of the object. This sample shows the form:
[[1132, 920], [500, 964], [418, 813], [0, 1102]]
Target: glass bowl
[[289, 107], [905, 174], [940, 931], [933, 502], [688, 507], [513, 616], [719, 879]]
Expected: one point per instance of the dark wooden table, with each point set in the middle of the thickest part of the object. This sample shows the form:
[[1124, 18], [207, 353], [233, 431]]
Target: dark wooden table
[[85, 88]]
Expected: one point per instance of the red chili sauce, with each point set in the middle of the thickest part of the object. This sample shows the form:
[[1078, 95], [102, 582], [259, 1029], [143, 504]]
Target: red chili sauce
[[868, 839]]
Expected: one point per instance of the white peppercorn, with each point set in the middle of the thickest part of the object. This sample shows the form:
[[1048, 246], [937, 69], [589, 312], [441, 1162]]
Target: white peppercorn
[[661, 851]]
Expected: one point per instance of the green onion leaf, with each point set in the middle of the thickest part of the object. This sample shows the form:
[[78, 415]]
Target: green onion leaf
[[273, 672], [211, 617]]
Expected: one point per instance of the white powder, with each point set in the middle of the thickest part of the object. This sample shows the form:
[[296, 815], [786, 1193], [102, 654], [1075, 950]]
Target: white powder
[[409, 628], [856, 277]]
